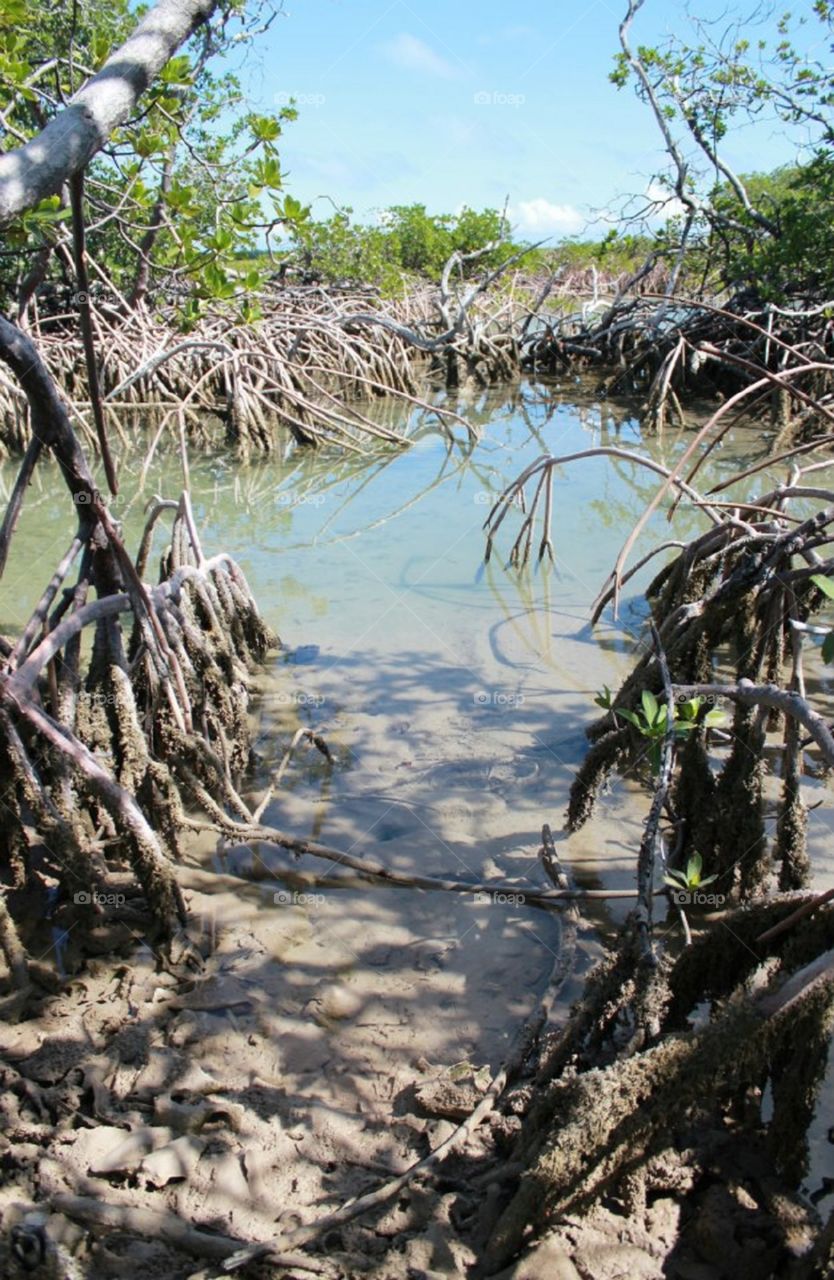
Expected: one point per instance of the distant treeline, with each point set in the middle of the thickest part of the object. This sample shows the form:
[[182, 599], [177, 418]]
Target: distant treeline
[[180, 208], [731, 248], [406, 241]]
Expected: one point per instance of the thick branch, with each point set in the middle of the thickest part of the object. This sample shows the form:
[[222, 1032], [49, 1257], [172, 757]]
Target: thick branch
[[51, 426], [40, 168]]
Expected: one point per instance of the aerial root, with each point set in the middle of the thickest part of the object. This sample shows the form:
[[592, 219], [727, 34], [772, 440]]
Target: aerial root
[[108, 774], [585, 1131]]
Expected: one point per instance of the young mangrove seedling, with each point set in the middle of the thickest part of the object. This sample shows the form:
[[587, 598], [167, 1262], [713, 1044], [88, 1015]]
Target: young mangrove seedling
[[690, 879], [605, 699], [651, 719]]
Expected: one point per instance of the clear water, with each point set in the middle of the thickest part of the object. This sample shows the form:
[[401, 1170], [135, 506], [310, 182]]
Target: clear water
[[453, 695]]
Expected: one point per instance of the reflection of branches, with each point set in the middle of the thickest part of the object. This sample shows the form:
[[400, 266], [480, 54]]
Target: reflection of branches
[[541, 470], [457, 461], [713, 431]]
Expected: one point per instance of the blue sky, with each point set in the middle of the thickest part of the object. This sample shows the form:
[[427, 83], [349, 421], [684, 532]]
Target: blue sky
[[468, 103]]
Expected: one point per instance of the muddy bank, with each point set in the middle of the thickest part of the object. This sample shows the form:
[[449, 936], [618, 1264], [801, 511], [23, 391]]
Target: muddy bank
[[338, 1031], [248, 1101]]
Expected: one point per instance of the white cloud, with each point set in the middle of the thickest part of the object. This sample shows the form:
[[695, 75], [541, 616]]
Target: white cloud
[[540, 217], [660, 194], [406, 50]]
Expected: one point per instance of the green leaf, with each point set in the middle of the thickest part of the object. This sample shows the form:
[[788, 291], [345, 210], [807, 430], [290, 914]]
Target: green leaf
[[693, 869], [267, 173], [689, 710], [294, 210], [630, 717], [828, 648], [177, 71], [183, 200], [826, 585], [650, 708], [149, 144], [221, 240], [265, 128], [99, 48]]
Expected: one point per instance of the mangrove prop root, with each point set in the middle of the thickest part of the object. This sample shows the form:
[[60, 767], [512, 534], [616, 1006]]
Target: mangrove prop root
[[739, 845], [739, 587], [297, 375], [592, 776], [792, 826], [736, 595], [124, 760], [693, 797], [598, 1122], [606, 996], [720, 958]]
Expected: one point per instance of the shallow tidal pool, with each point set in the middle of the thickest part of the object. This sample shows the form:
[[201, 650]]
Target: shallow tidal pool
[[454, 698]]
